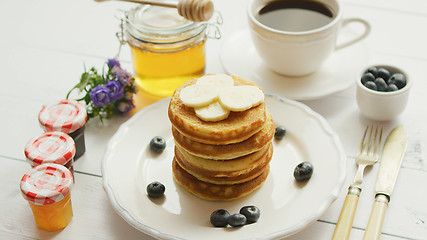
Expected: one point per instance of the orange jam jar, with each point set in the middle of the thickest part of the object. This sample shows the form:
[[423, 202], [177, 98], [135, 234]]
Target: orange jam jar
[[51, 147], [166, 49], [47, 190]]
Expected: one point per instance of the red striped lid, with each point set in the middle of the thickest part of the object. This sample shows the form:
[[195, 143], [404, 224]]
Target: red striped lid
[[50, 147], [65, 116], [46, 184]]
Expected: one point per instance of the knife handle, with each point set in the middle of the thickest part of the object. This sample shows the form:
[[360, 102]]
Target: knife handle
[[376, 220], [345, 221]]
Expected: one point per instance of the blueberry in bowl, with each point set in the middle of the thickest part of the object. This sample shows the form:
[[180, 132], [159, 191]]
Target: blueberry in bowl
[[382, 79], [382, 92]]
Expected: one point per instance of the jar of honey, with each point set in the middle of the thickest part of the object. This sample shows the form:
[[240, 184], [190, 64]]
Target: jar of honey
[[68, 116], [47, 190], [166, 48], [51, 147]]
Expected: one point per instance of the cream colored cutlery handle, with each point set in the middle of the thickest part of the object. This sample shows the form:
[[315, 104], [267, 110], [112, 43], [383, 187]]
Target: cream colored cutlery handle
[[345, 221], [376, 220]]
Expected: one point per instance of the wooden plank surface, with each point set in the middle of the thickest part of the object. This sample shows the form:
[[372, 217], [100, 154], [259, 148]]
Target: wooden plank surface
[[45, 44]]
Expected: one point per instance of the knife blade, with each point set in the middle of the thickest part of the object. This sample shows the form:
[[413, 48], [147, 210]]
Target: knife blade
[[391, 160]]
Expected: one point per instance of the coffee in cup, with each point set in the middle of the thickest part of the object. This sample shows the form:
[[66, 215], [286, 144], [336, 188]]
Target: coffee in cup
[[295, 37]]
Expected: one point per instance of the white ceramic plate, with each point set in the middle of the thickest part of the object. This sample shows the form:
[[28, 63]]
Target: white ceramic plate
[[239, 57], [286, 207]]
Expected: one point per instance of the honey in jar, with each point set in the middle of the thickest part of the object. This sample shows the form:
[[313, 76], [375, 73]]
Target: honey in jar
[[47, 190], [166, 49]]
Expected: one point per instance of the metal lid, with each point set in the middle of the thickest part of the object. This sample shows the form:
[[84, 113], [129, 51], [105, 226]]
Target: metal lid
[[46, 184], [160, 25], [65, 116], [50, 147]]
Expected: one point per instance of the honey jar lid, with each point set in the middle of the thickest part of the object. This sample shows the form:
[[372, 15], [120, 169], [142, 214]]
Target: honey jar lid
[[50, 147], [161, 25], [46, 184], [65, 116]]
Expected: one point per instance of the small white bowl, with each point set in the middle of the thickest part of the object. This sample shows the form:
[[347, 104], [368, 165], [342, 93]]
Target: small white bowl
[[383, 106]]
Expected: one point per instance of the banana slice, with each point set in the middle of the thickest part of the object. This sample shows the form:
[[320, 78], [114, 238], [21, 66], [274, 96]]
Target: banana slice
[[256, 94], [212, 113], [218, 80], [240, 98], [198, 95]]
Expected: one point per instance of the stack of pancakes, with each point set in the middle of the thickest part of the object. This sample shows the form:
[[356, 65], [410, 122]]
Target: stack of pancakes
[[221, 160]]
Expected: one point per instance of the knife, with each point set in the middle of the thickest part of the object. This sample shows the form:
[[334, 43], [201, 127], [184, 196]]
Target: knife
[[392, 156]]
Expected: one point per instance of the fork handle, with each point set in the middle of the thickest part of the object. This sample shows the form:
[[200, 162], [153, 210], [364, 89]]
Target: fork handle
[[345, 221]]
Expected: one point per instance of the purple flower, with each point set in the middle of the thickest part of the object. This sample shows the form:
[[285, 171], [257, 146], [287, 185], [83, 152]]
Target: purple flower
[[125, 106], [116, 90], [100, 96], [114, 70], [124, 77], [113, 63]]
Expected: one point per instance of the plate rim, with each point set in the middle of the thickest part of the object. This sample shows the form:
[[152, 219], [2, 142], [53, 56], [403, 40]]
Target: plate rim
[[118, 208], [124, 213]]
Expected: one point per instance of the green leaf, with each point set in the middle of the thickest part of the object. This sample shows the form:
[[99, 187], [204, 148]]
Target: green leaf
[[84, 80]]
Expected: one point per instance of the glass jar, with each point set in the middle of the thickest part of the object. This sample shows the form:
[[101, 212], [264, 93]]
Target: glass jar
[[166, 49], [51, 147], [68, 116], [47, 190]]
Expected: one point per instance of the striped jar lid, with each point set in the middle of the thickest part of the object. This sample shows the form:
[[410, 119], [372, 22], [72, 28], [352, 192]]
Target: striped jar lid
[[65, 116], [46, 184], [50, 147]]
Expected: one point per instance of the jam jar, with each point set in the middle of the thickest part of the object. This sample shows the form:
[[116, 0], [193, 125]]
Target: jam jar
[[51, 147], [47, 190], [68, 116], [166, 48]]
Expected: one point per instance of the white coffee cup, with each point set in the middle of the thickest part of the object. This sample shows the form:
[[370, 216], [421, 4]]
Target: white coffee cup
[[298, 53]]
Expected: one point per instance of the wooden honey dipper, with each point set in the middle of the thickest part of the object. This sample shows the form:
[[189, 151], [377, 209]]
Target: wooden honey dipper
[[193, 10]]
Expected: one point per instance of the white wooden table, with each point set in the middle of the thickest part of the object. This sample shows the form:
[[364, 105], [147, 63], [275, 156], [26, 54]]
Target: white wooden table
[[45, 44]]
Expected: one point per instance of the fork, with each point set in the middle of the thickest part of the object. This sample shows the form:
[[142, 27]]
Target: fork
[[367, 155]]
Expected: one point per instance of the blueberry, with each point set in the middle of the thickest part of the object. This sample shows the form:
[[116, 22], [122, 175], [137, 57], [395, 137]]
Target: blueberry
[[251, 213], [303, 171], [372, 70], [279, 133], [371, 85], [381, 84], [384, 73], [398, 79], [237, 220], [219, 218], [155, 189], [367, 77], [392, 87], [157, 144]]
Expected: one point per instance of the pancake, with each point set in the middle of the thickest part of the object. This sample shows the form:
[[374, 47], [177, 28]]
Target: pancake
[[229, 151], [238, 127], [225, 172], [223, 168], [211, 191]]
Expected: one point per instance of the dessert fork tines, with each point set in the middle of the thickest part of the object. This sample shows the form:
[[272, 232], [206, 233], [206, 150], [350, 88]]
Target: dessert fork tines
[[368, 154]]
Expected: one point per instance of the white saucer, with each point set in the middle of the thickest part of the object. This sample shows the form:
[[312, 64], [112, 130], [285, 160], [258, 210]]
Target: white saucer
[[239, 57]]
